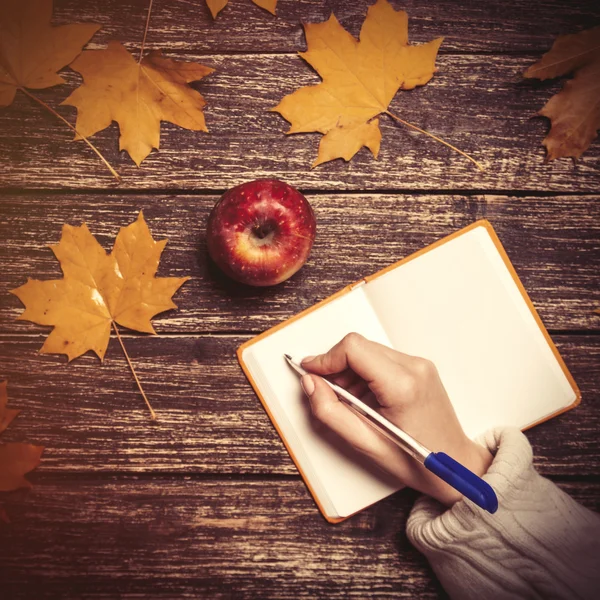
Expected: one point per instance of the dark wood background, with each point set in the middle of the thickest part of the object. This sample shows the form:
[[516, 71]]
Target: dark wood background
[[206, 502]]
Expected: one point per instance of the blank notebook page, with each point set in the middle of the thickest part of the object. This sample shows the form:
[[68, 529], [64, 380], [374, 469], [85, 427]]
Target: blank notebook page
[[342, 480], [458, 306]]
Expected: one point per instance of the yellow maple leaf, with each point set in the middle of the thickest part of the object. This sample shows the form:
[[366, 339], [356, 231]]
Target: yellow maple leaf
[[575, 111], [360, 78], [216, 6], [137, 95], [16, 459], [99, 289], [31, 50]]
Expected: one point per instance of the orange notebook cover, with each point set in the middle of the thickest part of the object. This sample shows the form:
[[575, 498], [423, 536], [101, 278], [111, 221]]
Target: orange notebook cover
[[458, 302]]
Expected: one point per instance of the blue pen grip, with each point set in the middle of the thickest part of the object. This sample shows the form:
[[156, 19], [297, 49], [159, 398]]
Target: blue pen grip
[[463, 480]]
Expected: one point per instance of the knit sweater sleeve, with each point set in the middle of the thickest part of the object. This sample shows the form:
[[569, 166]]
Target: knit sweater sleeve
[[539, 544]]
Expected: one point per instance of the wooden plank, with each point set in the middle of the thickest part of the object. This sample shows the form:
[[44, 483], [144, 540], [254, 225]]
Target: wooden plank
[[553, 243], [586, 492], [91, 417], [167, 538], [186, 25], [476, 102], [187, 538]]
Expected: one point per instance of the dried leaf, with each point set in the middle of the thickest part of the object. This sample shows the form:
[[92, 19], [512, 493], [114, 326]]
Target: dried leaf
[[269, 5], [138, 96], [360, 79], [16, 460], [31, 50], [575, 111], [216, 6], [99, 289]]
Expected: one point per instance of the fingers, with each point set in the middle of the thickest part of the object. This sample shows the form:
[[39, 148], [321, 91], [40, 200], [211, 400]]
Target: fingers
[[351, 382], [345, 379], [327, 408], [370, 360]]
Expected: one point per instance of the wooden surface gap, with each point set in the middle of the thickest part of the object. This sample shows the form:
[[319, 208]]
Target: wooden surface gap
[[41, 478]]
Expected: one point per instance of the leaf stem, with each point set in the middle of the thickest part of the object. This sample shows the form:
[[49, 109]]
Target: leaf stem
[[152, 413], [479, 166], [58, 116], [145, 32]]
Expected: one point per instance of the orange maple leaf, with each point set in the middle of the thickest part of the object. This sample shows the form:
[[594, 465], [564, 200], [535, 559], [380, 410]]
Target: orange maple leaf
[[31, 50], [99, 290], [137, 95], [575, 111], [360, 79], [16, 459], [216, 6]]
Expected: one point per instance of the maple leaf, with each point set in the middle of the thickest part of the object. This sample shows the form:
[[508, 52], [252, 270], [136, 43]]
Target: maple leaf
[[16, 460], [99, 289], [31, 50], [360, 79], [137, 95], [216, 6], [575, 111]]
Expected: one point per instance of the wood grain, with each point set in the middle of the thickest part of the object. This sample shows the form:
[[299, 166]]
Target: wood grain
[[168, 538], [477, 102], [91, 417], [186, 25], [206, 503], [557, 258]]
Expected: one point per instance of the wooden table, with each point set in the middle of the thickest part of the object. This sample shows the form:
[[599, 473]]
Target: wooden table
[[206, 503]]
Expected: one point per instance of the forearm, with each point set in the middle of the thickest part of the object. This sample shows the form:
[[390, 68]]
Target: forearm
[[539, 544]]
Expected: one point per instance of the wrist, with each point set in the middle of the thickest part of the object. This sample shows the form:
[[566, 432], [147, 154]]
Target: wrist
[[477, 458], [471, 455]]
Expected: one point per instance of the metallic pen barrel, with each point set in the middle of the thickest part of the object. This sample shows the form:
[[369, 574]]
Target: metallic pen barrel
[[382, 425], [440, 464]]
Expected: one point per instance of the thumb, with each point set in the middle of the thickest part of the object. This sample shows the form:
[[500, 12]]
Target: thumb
[[329, 410], [323, 400]]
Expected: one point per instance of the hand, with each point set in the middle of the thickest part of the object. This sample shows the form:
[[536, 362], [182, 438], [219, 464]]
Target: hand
[[409, 393]]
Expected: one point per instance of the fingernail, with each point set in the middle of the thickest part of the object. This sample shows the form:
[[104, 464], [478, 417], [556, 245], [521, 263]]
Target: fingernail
[[307, 359], [308, 385]]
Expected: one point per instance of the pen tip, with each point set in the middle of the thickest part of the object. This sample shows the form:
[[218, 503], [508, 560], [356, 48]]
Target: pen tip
[[287, 356]]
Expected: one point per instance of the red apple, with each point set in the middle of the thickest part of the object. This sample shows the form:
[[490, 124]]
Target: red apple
[[261, 232]]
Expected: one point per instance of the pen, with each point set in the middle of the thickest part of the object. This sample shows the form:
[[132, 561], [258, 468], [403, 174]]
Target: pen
[[439, 463]]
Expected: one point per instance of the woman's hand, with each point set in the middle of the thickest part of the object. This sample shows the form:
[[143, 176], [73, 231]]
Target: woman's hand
[[409, 393]]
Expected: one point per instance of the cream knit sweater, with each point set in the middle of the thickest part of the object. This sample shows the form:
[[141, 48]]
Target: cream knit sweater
[[539, 544]]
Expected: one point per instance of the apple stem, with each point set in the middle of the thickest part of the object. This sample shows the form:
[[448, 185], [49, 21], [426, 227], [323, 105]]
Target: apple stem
[[304, 237], [152, 413], [262, 231]]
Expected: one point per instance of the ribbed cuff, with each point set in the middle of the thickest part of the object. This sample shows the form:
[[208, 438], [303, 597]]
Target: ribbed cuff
[[539, 544], [432, 525]]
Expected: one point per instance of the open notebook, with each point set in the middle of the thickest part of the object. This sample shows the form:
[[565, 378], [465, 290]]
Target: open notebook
[[458, 303]]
